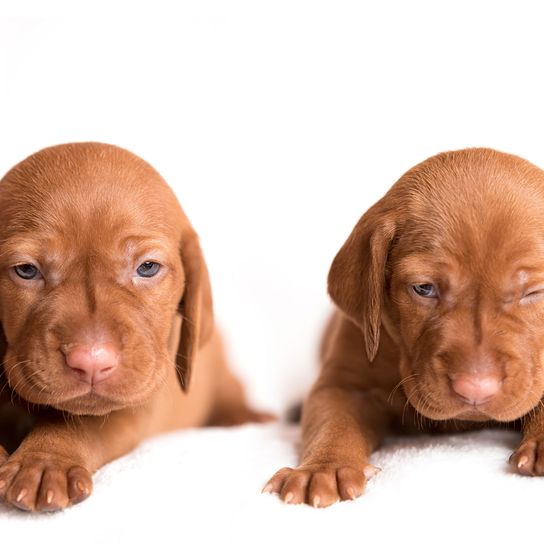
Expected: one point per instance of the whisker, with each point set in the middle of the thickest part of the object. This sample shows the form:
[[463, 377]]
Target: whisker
[[401, 382], [425, 404], [408, 399]]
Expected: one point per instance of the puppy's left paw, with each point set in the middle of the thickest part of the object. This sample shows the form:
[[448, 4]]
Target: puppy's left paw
[[43, 482], [528, 459]]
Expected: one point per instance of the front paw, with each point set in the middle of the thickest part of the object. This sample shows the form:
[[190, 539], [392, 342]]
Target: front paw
[[528, 459], [319, 485], [43, 482]]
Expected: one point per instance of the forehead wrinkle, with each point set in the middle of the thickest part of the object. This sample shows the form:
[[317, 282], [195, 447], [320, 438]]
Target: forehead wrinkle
[[490, 195], [502, 231], [421, 263], [46, 249], [98, 206], [133, 244], [30, 246]]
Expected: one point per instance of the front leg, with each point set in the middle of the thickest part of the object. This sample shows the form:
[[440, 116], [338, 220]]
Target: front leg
[[528, 459], [340, 428], [52, 467]]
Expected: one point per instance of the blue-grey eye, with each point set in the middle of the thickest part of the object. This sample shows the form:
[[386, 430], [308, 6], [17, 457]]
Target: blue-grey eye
[[27, 271], [148, 269], [427, 290]]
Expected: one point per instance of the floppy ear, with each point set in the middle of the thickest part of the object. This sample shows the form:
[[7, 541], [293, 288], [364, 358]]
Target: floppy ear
[[356, 279], [195, 307]]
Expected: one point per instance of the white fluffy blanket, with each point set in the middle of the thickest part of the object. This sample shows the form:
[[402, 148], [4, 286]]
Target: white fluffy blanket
[[204, 486]]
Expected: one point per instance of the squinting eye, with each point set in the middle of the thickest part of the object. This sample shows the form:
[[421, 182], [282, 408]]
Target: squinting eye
[[536, 293], [27, 271], [427, 290], [148, 269]]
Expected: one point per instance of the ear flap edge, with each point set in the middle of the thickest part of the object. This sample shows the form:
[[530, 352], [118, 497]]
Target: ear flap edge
[[356, 279], [195, 307]]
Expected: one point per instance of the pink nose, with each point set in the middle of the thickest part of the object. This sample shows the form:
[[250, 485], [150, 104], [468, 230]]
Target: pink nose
[[475, 388], [93, 363]]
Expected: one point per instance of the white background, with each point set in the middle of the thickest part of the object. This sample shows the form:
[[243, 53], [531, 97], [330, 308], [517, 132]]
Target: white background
[[277, 123]]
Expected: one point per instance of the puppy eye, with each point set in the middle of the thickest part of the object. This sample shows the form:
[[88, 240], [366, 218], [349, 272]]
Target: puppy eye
[[427, 290], [148, 269], [535, 293], [27, 271]]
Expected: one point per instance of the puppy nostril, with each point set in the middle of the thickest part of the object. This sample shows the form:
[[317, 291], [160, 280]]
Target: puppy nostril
[[82, 374]]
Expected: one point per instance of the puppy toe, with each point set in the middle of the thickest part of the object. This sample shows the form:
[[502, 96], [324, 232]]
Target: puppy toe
[[80, 484], [351, 483], [323, 490], [7, 473], [538, 467], [275, 483], [523, 459], [53, 494], [24, 488], [295, 487]]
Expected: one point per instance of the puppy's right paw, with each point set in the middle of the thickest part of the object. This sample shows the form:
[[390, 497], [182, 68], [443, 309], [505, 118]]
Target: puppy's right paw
[[43, 482], [320, 485]]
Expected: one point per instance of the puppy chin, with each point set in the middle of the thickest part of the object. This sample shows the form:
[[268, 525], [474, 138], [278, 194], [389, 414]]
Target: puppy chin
[[89, 405], [86, 403], [466, 412], [94, 404]]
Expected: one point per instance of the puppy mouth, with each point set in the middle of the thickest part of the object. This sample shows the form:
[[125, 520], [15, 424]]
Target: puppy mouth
[[89, 404], [474, 413], [67, 393], [93, 400], [454, 408]]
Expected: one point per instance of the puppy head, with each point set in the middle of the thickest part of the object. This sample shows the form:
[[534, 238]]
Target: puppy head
[[451, 263], [97, 262]]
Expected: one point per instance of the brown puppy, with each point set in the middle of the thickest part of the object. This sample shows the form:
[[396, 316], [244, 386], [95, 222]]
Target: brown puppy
[[440, 290], [104, 303]]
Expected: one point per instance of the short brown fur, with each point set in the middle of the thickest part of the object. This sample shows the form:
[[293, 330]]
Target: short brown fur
[[87, 215], [470, 224]]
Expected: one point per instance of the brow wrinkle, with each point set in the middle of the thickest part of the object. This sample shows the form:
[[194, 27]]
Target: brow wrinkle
[[89, 286], [477, 318]]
